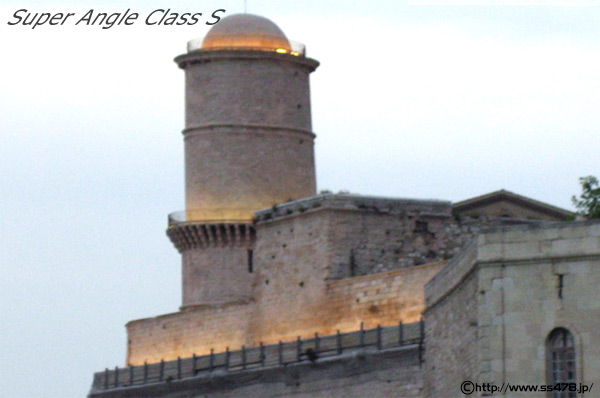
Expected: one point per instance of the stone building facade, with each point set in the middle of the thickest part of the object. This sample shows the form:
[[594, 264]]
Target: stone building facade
[[290, 293], [491, 313]]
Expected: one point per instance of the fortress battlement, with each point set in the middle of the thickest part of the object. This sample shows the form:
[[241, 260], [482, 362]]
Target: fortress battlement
[[352, 202]]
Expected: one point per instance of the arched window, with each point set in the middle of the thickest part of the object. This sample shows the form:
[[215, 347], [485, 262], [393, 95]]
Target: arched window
[[561, 361]]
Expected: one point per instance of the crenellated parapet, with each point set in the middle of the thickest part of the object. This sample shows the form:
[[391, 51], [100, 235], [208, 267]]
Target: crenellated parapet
[[199, 235], [216, 253], [406, 208]]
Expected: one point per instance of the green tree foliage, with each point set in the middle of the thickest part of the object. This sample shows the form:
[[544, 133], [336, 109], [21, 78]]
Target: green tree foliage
[[588, 203]]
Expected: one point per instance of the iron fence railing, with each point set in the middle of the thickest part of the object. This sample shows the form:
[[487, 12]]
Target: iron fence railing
[[246, 358], [184, 217]]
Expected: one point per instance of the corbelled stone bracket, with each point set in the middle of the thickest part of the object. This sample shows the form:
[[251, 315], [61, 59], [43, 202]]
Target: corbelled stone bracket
[[200, 235]]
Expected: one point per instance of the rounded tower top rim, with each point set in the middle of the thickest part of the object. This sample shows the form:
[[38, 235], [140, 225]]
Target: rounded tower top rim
[[246, 31]]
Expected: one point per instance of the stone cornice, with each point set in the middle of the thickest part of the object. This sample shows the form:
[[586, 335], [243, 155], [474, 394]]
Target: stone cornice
[[202, 56], [219, 128]]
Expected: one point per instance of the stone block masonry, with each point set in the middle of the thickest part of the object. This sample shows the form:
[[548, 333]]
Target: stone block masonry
[[492, 309], [320, 264], [248, 134], [383, 299], [366, 235]]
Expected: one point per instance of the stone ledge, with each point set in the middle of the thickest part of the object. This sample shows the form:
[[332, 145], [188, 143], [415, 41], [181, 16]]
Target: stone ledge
[[359, 203], [385, 275]]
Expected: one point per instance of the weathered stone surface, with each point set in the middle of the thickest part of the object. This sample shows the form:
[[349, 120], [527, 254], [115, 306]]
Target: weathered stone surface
[[490, 311], [248, 134]]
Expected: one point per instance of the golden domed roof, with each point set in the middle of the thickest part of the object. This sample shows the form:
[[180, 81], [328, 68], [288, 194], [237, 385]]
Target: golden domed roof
[[246, 31]]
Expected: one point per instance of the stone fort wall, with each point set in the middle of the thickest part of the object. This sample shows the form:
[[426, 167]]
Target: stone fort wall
[[383, 299], [365, 235], [320, 264], [451, 334]]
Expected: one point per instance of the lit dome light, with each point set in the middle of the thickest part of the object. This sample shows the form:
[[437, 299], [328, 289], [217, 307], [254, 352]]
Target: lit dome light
[[247, 31]]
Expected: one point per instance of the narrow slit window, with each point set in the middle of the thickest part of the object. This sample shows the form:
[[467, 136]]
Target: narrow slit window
[[560, 285], [250, 261]]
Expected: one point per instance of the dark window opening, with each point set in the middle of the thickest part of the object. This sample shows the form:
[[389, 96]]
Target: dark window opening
[[250, 261], [560, 285], [352, 263], [421, 226]]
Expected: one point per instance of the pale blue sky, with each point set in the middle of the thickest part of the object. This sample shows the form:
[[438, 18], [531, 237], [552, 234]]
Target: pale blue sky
[[422, 102]]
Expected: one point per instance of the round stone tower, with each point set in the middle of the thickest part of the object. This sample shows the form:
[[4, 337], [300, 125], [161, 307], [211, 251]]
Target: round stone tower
[[248, 145]]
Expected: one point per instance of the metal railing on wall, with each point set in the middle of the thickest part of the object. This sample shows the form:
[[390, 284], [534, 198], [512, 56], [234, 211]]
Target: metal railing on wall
[[246, 358], [184, 217]]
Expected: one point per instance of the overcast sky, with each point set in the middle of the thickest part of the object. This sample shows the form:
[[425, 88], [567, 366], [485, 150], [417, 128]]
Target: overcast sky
[[409, 101]]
